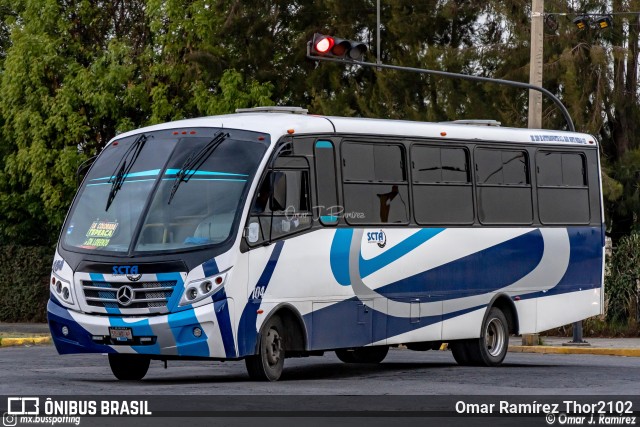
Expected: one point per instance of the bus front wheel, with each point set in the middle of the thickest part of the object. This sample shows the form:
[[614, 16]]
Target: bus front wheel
[[129, 367], [267, 365]]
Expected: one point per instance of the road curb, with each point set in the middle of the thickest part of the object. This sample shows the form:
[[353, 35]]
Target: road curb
[[10, 342], [547, 349]]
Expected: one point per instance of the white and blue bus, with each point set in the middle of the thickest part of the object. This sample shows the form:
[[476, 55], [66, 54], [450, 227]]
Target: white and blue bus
[[272, 233]]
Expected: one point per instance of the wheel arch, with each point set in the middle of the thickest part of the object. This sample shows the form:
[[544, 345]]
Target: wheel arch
[[296, 338], [506, 305]]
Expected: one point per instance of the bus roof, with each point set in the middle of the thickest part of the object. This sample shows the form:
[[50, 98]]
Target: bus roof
[[278, 124]]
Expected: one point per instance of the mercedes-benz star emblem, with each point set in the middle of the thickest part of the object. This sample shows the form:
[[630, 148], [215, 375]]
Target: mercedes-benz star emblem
[[125, 295]]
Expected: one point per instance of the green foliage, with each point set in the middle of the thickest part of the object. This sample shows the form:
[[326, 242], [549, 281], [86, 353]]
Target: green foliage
[[24, 283], [73, 74], [623, 283], [77, 73]]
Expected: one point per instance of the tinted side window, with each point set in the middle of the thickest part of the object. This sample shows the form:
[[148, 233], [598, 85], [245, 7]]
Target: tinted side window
[[504, 190], [501, 167], [563, 195], [561, 169], [442, 191], [439, 165], [372, 162], [375, 185], [328, 209]]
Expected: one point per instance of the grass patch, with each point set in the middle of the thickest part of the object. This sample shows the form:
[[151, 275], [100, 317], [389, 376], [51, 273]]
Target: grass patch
[[596, 327], [20, 335]]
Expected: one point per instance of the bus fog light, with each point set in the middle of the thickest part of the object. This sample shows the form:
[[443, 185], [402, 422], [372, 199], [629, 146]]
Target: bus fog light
[[59, 287], [192, 293], [197, 332], [65, 293], [65, 331]]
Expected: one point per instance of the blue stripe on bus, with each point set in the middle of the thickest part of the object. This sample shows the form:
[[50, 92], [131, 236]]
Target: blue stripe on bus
[[339, 255], [153, 172], [130, 181], [78, 340], [247, 332], [370, 266], [335, 326], [95, 277], [210, 268], [585, 264], [203, 173], [486, 271], [183, 322], [221, 308]]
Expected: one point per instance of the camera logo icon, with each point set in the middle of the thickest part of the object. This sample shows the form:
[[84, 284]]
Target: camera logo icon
[[9, 420]]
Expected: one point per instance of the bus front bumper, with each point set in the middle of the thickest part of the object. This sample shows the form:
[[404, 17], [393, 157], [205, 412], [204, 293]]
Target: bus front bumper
[[204, 331]]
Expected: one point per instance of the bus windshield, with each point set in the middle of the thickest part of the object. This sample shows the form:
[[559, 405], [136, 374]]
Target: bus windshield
[[142, 215]]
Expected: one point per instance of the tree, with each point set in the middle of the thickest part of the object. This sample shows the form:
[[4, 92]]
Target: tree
[[75, 74]]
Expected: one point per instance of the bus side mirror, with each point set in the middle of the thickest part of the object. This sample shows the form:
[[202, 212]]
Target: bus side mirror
[[253, 232], [279, 197]]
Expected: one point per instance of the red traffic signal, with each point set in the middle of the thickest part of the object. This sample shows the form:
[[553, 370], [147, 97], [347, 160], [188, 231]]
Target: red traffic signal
[[334, 47]]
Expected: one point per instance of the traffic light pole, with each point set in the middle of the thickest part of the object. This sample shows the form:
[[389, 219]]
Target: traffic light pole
[[544, 91]]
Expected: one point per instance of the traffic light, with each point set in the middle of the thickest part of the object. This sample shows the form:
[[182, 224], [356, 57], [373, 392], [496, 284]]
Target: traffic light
[[335, 47]]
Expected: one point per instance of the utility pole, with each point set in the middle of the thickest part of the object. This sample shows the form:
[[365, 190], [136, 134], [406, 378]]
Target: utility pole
[[535, 63], [535, 97], [378, 61]]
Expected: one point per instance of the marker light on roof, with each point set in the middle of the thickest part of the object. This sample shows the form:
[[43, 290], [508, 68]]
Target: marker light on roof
[[290, 131], [443, 134]]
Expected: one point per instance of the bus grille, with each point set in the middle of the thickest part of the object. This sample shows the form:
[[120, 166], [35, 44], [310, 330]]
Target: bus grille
[[151, 295]]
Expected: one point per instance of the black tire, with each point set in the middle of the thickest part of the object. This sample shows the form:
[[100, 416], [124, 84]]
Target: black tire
[[129, 367], [267, 365], [491, 348], [459, 350], [363, 354], [346, 356]]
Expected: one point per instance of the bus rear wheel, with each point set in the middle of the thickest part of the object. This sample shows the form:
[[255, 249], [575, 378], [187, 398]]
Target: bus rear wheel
[[488, 350], [129, 367], [363, 354], [268, 364]]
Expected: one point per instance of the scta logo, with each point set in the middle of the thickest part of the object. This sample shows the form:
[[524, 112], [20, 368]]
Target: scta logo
[[125, 270], [377, 237]]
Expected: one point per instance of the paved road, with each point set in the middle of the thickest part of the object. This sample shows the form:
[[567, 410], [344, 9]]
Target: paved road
[[39, 370]]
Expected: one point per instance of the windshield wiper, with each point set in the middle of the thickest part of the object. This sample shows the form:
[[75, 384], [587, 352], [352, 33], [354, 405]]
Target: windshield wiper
[[195, 160], [124, 167]]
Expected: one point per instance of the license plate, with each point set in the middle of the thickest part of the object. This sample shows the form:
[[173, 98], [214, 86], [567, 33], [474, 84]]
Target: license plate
[[121, 334]]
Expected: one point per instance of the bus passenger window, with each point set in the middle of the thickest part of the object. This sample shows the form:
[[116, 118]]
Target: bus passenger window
[[503, 186], [375, 185], [563, 194]]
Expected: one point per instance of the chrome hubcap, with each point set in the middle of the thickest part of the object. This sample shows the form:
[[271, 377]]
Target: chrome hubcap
[[494, 337]]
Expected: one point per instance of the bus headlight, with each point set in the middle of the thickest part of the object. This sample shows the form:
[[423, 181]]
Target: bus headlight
[[61, 289], [197, 290]]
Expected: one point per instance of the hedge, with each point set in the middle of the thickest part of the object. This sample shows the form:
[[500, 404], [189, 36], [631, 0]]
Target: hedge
[[24, 283], [622, 285]]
